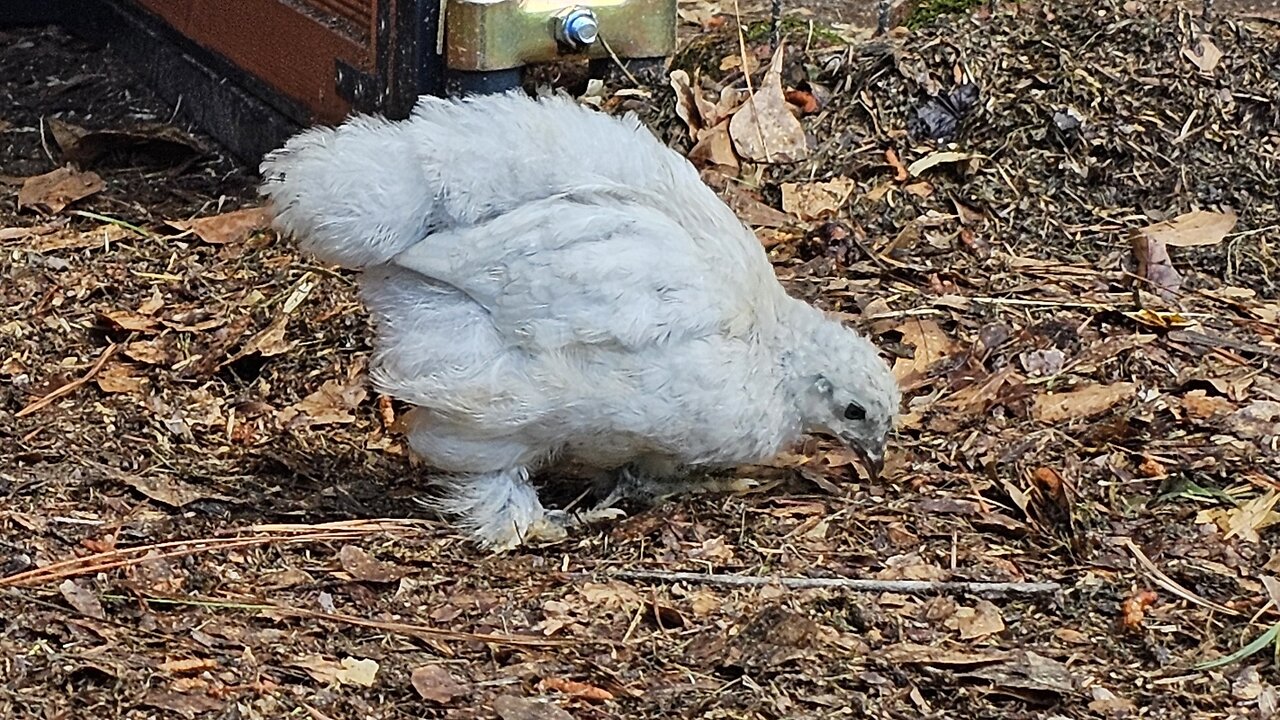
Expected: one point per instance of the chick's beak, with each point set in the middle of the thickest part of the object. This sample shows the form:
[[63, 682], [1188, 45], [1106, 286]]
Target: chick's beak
[[872, 458]]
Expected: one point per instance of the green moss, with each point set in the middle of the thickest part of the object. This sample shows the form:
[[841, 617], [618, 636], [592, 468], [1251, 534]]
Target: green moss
[[930, 10], [794, 27]]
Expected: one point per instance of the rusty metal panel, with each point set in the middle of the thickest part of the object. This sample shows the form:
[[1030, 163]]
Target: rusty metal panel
[[292, 47]]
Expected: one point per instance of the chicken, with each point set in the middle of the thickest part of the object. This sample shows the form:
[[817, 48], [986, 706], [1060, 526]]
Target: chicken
[[553, 287]]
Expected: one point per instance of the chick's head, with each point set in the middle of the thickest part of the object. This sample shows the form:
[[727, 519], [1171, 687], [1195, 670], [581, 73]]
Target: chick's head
[[849, 393]]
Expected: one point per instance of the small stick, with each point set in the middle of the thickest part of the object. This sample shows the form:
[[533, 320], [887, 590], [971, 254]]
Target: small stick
[[908, 587], [883, 11], [1170, 584], [71, 386]]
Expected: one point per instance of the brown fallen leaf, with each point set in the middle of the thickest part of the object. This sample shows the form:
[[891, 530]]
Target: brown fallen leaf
[[154, 144], [763, 129], [171, 491], [978, 621], [119, 379], [231, 227], [714, 149], [1200, 227], [931, 345], [188, 705], [511, 707], [188, 666], [83, 600], [1108, 704], [581, 690], [436, 684], [686, 106], [1081, 403], [348, 671], [269, 342], [900, 171], [817, 200], [57, 189], [364, 567], [1201, 405], [332, 404], [129, 320], [151, 352]]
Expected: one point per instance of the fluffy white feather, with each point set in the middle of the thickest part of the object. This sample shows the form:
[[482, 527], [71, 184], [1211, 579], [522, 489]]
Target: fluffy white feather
[[551, 284]]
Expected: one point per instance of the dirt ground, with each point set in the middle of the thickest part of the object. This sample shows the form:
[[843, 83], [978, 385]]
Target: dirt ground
[[205, 513]]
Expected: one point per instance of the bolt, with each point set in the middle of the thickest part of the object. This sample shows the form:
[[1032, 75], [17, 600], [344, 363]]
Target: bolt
[[578, 28]]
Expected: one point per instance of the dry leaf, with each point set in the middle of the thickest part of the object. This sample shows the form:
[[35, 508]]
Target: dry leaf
[[231, 227], [119, 379], [977, 622], [1203, 54], [900, 171], [814, 201], [349, 671], [270, 341], [580, 690], [686, 106], [714, 149], [362, 566], [1202, 406], [436, 684], [1200, 227], [332, 404], [763, 129], [510, 707], [83, 600], [1154, 263], [931, 345], [1082, 403], [58, 189], [189, 666], [151, 352], [128, 320], [171, 491], [1245, 521], [1106, 703], [157, 144], [943, 157]]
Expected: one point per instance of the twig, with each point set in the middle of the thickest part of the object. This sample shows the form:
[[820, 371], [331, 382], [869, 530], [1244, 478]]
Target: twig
[[424, 632], [71, 386], [618, 62], [1170, 584], [907, 587], [125, 557]]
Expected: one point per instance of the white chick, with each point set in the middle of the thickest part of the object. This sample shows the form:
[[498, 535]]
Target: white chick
[[553, 286]]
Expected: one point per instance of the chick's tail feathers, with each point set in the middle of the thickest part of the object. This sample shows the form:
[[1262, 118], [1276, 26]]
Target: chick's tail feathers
[[358, 194], [354, 195]]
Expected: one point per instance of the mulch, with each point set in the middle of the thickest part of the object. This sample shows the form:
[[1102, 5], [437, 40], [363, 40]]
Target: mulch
[[206, 513]]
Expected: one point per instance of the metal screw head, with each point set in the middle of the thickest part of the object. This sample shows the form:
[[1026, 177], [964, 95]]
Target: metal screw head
[[578, 27]]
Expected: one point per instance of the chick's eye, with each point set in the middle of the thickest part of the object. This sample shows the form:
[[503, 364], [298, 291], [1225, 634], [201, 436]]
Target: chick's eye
[[855, 412]]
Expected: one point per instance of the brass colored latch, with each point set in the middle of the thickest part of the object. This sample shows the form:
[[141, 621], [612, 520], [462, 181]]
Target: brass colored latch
[[505, 34]]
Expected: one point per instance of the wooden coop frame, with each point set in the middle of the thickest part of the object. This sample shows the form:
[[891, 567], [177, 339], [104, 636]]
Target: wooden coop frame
[[252, 72]]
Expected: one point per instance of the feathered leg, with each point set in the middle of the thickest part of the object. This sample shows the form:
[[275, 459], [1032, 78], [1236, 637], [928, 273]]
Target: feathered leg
[[499, 510]]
